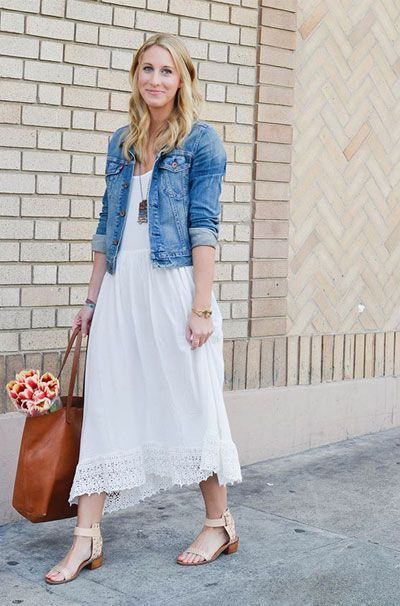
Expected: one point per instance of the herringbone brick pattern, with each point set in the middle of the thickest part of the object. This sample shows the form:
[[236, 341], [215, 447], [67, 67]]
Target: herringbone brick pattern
[[344, 226]]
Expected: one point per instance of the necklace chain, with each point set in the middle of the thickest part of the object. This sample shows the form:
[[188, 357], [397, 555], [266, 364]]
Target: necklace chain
[[142, 214]]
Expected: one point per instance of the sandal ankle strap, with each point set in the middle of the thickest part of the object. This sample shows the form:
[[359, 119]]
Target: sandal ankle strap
[[225, 520], [94, 531]]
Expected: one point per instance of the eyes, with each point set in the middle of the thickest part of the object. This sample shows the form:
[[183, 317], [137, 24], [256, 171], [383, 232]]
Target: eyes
[[165, 70]]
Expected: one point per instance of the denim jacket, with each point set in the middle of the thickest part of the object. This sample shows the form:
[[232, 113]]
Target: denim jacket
[[183, 200]]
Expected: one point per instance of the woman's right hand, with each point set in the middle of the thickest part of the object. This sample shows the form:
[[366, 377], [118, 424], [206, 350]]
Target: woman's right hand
[[83, 319]]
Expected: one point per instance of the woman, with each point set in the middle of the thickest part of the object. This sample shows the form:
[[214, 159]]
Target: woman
[[154, 413]]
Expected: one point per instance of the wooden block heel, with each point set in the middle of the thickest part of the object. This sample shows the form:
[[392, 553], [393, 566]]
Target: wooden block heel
[[226, 520], [95, 563], [233, 547]]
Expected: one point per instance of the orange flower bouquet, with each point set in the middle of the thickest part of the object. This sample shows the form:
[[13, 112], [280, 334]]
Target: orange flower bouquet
[[34, 394]]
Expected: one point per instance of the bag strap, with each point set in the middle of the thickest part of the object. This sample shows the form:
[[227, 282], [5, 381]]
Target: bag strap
[[77, 334]]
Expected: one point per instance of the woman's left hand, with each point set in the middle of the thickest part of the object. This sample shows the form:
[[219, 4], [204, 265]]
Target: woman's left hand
[[198, 330]]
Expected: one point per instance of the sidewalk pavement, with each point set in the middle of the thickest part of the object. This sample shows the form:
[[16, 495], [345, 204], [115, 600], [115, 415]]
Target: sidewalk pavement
[[319, 528]]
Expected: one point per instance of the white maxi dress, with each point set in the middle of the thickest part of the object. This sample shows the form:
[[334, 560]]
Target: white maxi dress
[[154, 413]]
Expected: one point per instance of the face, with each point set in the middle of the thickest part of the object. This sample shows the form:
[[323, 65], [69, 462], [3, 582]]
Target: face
[[158, 78]]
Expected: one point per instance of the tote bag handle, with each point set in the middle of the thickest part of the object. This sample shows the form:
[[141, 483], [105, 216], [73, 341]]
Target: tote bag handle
[[75, 363]]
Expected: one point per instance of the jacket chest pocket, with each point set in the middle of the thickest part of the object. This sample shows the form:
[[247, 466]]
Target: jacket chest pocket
[[113, 170], [174, 175]]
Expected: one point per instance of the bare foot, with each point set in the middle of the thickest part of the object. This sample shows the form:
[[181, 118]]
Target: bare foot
[[208, 540], [81, 550]]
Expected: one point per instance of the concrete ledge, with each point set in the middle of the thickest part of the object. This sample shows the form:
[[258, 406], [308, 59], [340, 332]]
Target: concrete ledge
[[265, 423]]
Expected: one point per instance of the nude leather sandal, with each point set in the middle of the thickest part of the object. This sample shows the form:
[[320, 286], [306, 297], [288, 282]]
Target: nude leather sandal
[[226, 520], [95, 560]]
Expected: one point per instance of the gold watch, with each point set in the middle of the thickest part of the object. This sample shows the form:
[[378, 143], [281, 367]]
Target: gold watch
[[202, 313]]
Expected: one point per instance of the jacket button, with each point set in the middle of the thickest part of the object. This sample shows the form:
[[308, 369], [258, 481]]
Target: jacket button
[[122, 213], [115, 241], [174, 164], [125, 184]]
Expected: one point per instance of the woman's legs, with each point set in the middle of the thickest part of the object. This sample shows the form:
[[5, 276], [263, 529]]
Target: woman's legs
[[90, 510], [210, 538]]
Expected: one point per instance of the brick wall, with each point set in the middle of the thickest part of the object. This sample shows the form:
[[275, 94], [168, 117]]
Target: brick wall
[[64, 90]]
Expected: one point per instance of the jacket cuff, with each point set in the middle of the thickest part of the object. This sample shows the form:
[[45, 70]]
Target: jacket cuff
[[202, 236], [99, 243]]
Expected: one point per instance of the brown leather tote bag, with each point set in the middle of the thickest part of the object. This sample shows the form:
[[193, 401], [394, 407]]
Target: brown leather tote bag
[[49, 454]]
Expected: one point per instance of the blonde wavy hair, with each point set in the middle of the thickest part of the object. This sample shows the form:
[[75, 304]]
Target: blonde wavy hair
[[186, 104]]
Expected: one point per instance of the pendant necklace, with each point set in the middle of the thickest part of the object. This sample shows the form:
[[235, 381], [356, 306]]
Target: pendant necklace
[[142, 214]]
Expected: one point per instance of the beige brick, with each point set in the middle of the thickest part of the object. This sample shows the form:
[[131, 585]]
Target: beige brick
[[82, 164], [83, 120], [234, 252], [11, 68], [247, 75], [327, 357], [45, 207], [235, 329], [270, 74], [278, 37], [245, 115], [266, 364], [46, 116], [78, 97], [10, 112], [44, 274], [113, 80], [236, 212], [234, 290], [270, 268], [304, 360], [44, 27], [47, 184], [12, 22], [349, 343], [369, 355], [12, 229], [82, 54], [9, 297], [43, 339], [189, 27], [219, 12], [220, 32], [84, 11], [223, 271], [279, 19], [17, 91], [240, 309], [338, 357], [240, 94], [248, 36], [261, 327], [87, 33], [241, 271], [271, 307], [17, 183], [196, 9], [85, 142], [121, 59], [14, 319], [46, 230], [276, 287], [316, 359], [125, 17], [215, 92], [77, 230], [253, 364], [226, 233], [217, 52], [35, 296], [53, 7], [49, 139], [271, 229], [275, 95], [389, 353], [10, 159], [156, 23], [15, 274], [285, 5], [271, 210], [239, 364], [65, 316], [45, 161], [44, 318], [275, 114], [48, 72], [9, 251], [78, 295], [51, 51], [280, 361], [49, 94], [18, 46], [244, 16], [9, 342], [220, 72], [238, 132], [292, 359], [120, 38], [82, 208], [81, 251], [270, 248], [44, 251], [74, 274], [9, 206], [228, 364]]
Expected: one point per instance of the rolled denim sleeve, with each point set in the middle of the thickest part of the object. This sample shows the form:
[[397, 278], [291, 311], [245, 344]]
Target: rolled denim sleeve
[[205, 183]]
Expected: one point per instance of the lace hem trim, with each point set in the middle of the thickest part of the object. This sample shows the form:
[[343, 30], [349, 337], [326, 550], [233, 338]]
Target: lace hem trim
[[131, 477]]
